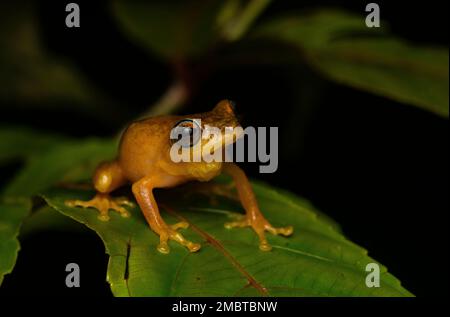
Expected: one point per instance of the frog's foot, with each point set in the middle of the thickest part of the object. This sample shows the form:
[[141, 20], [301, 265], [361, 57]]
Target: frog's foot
[[260, 225], [171, 233], [103, 203]]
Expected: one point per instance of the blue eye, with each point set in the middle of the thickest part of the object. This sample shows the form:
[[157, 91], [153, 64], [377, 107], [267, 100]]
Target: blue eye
[[186, 132]]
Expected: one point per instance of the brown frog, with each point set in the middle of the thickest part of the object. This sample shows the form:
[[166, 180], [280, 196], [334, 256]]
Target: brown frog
[[144, 161]]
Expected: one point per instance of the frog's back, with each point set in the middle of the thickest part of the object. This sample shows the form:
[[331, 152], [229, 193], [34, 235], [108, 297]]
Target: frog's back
[[142, 145]]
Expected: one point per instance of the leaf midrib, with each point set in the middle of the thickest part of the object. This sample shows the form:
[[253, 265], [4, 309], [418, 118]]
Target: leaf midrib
[[218, 246]]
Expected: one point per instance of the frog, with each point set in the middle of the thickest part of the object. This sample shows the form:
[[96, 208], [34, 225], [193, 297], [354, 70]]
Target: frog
[[144, 162]]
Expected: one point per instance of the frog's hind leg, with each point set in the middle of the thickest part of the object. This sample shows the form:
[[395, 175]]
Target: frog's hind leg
[[107, 177]]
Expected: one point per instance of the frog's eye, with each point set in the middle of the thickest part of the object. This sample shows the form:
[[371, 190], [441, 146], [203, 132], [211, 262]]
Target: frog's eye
[[186, 132]]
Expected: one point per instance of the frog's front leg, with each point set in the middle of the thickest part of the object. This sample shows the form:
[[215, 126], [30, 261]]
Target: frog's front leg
[[107, 177], [142, 191], [253, 217]]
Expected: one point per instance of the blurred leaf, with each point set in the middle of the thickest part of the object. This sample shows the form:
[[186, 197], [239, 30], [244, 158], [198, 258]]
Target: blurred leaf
[[340, 46], [316, 261], [21, 142], [170, 28], [67, 162], [11, 215], [30, 75], [179, 29]]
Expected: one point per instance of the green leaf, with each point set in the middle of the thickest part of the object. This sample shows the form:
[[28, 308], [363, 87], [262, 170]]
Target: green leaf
[[170, 28], [180, 29], [63, 163], [60, 162], [22, 142], [316, 261], [17, 143], [11, 215], [341, 47]]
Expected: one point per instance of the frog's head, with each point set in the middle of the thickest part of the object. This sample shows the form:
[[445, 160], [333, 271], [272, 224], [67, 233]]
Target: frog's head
[[211, 130], [222, 118]]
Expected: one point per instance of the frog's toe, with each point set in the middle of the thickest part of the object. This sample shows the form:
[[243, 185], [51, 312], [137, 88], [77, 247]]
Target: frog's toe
[[118, 208], [78, 203], [241, 223], [180, 225], [285, 231], [103, 203], [171, 234], [163, 247], [103, 217], [178, 237], [260, 226], [124, 201]]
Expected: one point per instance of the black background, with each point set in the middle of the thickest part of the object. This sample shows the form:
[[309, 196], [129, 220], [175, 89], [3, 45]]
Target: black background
[[379, 168]]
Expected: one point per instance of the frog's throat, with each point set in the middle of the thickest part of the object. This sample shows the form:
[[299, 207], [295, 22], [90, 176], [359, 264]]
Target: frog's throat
[[204, 171]]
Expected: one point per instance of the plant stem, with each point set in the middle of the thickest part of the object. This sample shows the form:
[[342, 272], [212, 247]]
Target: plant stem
[[175, 95]]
